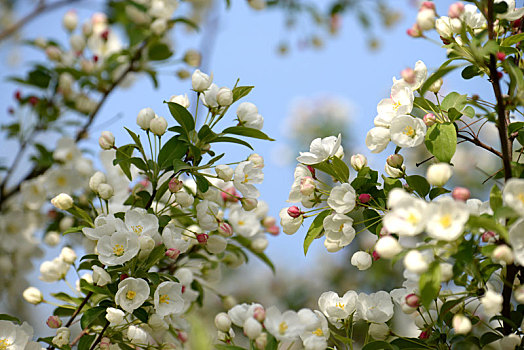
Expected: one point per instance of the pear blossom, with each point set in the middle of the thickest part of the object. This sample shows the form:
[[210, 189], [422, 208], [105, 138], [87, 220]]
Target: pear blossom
[[342, 198], [339, 231], [105, 225], [244, 223], [239, 313], [407, 131], [118, 248], [337, 308], [248, 116], [289, 224], [375, 307], [322, 149], [131, 294], [316, 330], [247, 174], [283, 326], [446, 219], [168, 298], [443, 27], [513, 195], [208, 215], [139, 221]]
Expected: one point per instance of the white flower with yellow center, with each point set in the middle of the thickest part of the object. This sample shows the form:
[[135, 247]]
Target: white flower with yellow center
[[118, 248], [244, 223], [339, 231], [446, 219], [105, 225], [337, 308], [342, 198], [60, 180], [407, 216], [248, 116], [14, 337], [407, 131], [142, 223], [168, 298], [246, 176], [283, 326], [322, 149], [316, 329], [376, 307], [513, 195], [400, 102], [66, 150], [131, 294]]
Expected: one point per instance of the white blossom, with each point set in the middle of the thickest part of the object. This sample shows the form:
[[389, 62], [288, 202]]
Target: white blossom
[[342, 198], [131, 294], [322, 149], [407, 131], [246, 175], [168, 298], [118, 248]]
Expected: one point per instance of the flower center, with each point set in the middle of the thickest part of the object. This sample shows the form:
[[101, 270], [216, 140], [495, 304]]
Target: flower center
[[241, 222], [412, 219], [445, 221], [396, 105], [164, 299], [131, 295], [520, 197], [137, 229], [409, 131], [282, 328], [246, 179], [4, 343], [61, 181], [340, 305], [118, 250], [318, 332]]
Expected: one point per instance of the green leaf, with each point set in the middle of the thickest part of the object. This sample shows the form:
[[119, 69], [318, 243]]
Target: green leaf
[[437, 191], [141, 314], [378, 345], [186, 21], [205, 134], [228, 347], [6, 317], [64, 310], [454, 100], [73, 230], [86, 341], [316, 228], [469, 112], [495, 198], [179, 165], [419, 184], [512, 40], [241, 91], [156, 254], [245, 131], [515, 126], [341, 169], [182, 116], [91, 315], [441, 141], [443, 70], [488, 224], [172, 149], [81, 214], [159, 51], [448, 306], [470, 72], [429, 284], [232, 140], [372, 220], [515, 74], [122, 158], [202, 183], [65, 297], [489, 337]]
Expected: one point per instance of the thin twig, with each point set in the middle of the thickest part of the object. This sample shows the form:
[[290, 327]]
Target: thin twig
[[481, 144], [99, 336]]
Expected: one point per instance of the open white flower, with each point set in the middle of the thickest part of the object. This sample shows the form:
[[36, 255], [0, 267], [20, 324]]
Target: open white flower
[[54, 270], [337, 308], [142, 223], [244, 223], [513, 195], [105, 225], [322, 149], [316, 330], [512, 13], [283, 326], [446, 219], [246, 175], [118, 248], [407, 131], [168, 298], [516, 238], [131, 294], [361, 260], [376, 307], [400, 102], [492, 302], [248, 116], [172, 238], [421, 73], [377, 139], [241, 312], [407, 215], [15, 337], [342, 198], [208, 215], [339, 231], [475, 19]]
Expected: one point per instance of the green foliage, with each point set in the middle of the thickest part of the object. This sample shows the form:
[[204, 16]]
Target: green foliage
[[441, 141], [315, 230]]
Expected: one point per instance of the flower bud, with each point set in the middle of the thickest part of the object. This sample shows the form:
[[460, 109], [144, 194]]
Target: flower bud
[[294, 211], [427, 5], [144, 118], [269, 221], [158, 26], [503, 254], [223, 322], [307, 186], [412, 300], [379, 331], [216, 244], [158, 126], [182, 100], [394, 172], [395, 161], [258, 245], [54, 322], [172, 253], [77, 43], [202, 238], [435, 87], [62, 337], [387, 247], [358, 161], [68, 255], [488, 236], [274, 230], [115, 316], [361, 260], [438, 174], [224, 172], [461, 194], [105, 191], [364, 198], [429, 119], [446, 272], [414, 262], [193, 58], [96, 180], [249, 204], [182, 336], [257, 4], [229, 301], [461, 324], [137, 335], [501, 56], [414, 31], [201, 81], [259, 314], [147, 244], [105, 343], [106, 140], [175, 185], [225, 229], [52, 238], [252, 328], [408, 75], [257, 160], [70, 20], [33, 295], [424, 335], [53, 53], [100, 276], [426, 19], [224, 97], [63, 201], [40, 42], [455, 10], [261, 341]]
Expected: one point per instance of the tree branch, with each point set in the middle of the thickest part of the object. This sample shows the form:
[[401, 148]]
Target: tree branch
[[481, 144]]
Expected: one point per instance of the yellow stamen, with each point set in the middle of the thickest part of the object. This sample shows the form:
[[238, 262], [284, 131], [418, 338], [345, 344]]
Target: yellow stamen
[[61, 181], [318, 332], [241, 222], [520, 196], [409, 131], [396, 105], [118, 250], [137, 229], [412, 219], [282, 328], [131, 295], [341, 306], [164, 299], [4, 344], [246, 179], [445, 221]]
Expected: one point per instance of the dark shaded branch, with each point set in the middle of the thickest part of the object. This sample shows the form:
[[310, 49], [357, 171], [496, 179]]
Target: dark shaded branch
[[481, 144]]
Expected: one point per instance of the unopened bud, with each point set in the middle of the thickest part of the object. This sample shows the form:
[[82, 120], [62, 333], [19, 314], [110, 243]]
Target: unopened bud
[[158, 126], [307, 186], [229, 195], [414, 31], [225, 229], [224, 172], [105, 343], [172, 253], [105, 191], [182, 336], [274, 230], [192, 58], [358, 161], [501, 56], [54, 322], [395, 161], [435, 87], [175, 185], [202, 238], [461, 194], [228, 302], [63, 201], [224, 97], [222, 322], [294, 211], [259, 314], [269, 221], [427, 5], [33, 295], [408, 75], [70, 20], [249, 204], [488, 236], [106, 140], [429, 119], [364, 198], [412, 300], [455, 10], [424, 335], [503, 253]]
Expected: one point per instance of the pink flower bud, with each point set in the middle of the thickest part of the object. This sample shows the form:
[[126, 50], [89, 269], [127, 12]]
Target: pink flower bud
[[18, 95], [395, 161], [54, 322], [461, 194], [364, 198], [455, 10], [173, 253], [294, 211], [175, 185], [259, 314], [230, 194], [412, 300], [375, 256], [488, 236], [427, 5], [414, 31], [182, 336], [269, 221], [202, 238], [123, 276], [424, 335], [307, 186], [408, 75], [429, 119], [312, 171], [105, 342], [274, 230], [383, 232], [106, 140], [249, 204], [501, 56], [225, 229]]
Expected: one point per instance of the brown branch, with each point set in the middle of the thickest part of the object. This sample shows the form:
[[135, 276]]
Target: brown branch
[[99, 336], [481, 144], [40, 8]]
